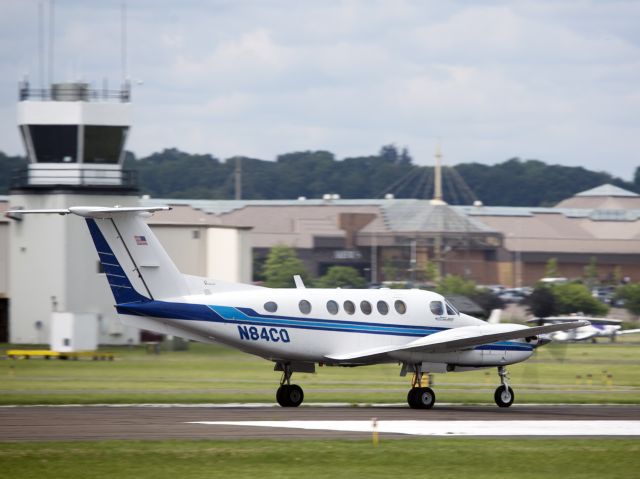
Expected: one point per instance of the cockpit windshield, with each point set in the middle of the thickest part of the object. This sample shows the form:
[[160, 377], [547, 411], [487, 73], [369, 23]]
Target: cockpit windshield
[[436, 308], [451, 311]]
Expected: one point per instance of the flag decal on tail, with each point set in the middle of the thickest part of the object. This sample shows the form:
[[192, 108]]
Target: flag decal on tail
[[121, 287], [141, 240]]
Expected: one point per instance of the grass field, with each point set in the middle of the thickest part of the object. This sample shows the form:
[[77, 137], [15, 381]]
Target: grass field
[[441, 458], [568, 373]]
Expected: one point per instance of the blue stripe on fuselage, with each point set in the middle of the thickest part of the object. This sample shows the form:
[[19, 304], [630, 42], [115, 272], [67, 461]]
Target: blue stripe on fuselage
[[122, 289], [248, 316]]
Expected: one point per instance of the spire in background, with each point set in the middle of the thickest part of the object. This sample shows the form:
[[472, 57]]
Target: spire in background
[[437, 179]]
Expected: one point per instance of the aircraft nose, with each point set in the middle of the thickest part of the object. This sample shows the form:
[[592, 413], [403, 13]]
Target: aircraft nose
[[542, 340]]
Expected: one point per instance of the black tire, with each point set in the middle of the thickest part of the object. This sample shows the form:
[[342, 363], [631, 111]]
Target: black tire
[[281, 395], [425, 398], [504, 396], [289, 395], [421, 398], [412, 398], [295, 395]]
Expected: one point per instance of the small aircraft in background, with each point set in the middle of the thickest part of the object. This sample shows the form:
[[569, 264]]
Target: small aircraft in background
[[597, 328], [299, 328]]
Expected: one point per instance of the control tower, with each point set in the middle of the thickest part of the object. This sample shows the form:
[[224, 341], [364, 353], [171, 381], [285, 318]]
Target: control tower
[[74, 138]]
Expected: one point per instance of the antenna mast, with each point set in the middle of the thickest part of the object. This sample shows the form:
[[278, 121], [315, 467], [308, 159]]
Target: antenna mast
[[52, 11], [238, 178], [41, 44], [123, 41]]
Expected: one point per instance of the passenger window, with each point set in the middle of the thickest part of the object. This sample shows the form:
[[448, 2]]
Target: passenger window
[[436, 308], [451, 311], [305, 306], [349, 307], [270, 306], [365, 307], [401, 308], [332, 307], [383, 308]]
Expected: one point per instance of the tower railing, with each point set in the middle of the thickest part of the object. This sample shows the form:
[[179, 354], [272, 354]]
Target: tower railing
[[73, 92], [85, 178]]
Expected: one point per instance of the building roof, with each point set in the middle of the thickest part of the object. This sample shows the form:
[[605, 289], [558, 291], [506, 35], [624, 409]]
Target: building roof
[[421, 215], [603, 197], [605, 219], [607, 190]]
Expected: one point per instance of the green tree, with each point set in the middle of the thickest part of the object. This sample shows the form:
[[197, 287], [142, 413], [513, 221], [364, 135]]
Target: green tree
[[432, 272], [453, 284], [541, 302], [389, 271], [631, 295], [551, 269], [576, 298], [341, 277], [281, 265], [591, 272], [8, 166]]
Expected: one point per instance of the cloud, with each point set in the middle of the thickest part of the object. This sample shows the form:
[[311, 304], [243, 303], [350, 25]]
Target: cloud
[[493, 79]]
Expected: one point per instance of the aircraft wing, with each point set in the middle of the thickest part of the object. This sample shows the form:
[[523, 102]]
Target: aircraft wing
[[570, 319], [456, 339], [628, 331]]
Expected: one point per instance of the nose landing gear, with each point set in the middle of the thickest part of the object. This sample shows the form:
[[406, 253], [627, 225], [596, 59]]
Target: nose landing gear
[[504, 394]]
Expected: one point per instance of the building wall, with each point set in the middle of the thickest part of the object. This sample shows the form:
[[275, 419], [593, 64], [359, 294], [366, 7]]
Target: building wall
[[53, 266], [4, 259], [186, 245], [229, 255], [533, 271]]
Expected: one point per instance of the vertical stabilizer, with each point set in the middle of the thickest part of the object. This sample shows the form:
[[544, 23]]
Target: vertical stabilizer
[[132, 257], [135, 263]]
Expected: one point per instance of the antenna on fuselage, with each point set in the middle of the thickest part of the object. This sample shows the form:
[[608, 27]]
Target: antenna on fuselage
[[297, 279]]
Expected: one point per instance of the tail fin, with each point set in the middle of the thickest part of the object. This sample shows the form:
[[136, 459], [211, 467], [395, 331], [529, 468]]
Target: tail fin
[[121, 287], [135, 263]]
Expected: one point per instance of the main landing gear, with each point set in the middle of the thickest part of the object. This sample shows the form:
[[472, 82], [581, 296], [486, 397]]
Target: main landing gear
[[288, 395], [420, 397], [504, 394]]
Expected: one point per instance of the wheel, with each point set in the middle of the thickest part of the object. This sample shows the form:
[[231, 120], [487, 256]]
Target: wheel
[[426, 398], [504, 396], [295, 396], [289, 395], [412, 398], [281, 395], [421, 398]]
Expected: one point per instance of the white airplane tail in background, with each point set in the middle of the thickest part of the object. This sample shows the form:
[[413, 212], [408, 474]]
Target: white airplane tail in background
[[135, 263]]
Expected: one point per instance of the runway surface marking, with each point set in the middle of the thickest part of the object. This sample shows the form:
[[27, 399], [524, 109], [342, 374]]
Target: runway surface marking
[[456, 428]]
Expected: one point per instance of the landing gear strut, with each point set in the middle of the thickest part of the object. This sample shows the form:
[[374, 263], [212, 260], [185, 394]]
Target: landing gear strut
[[420, 397], [288, 395], [504, 394]]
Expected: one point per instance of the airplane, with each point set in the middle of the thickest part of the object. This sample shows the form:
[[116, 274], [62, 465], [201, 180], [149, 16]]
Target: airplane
[[598, 328], [299, 328]]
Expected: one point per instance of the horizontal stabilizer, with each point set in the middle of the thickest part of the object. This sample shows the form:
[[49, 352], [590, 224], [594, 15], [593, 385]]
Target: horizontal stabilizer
[[94, 211], [456, 339]]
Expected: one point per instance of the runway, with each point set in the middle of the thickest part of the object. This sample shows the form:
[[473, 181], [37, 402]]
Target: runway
[[52, 423]]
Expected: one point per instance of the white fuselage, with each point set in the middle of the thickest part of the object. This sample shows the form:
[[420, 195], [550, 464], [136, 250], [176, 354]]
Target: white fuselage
[[273, 324]]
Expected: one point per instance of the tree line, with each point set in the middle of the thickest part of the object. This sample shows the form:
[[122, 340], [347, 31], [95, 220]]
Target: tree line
[[172, 173]]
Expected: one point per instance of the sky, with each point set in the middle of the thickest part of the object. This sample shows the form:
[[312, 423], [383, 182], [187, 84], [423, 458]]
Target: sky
[[554, 80]]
